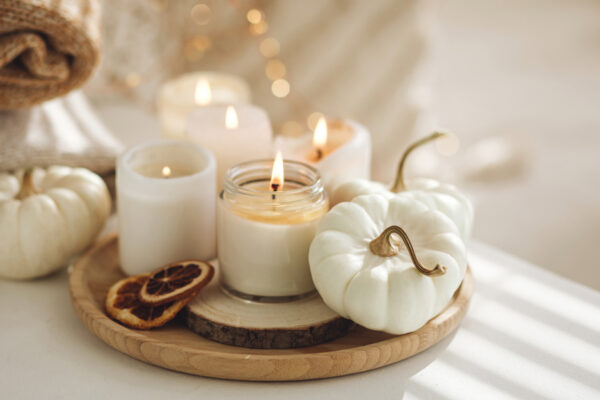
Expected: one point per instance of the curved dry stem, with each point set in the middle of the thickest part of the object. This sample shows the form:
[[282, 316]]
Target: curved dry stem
[[399, 185], [383, 246]]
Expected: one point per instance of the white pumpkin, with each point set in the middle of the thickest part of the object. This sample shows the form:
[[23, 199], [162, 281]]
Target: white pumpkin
[[440, 196], [363, 272], [47, 217]]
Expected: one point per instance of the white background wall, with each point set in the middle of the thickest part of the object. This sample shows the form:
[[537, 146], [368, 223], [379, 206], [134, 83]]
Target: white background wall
[[530, 71], [527, 72]]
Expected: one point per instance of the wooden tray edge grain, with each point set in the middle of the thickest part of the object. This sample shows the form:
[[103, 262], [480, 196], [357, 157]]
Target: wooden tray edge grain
[[252, 364]]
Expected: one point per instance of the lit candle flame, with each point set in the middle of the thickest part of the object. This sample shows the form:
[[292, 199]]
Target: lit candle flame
[[203, 94], [231, 118], [277, 175], [320, 136], [166, 172]]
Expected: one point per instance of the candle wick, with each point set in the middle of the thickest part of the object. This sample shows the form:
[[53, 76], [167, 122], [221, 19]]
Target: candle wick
[[274, 187], [319, 153]]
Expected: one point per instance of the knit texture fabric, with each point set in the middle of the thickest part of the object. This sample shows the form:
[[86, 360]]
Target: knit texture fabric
[[47, 48]]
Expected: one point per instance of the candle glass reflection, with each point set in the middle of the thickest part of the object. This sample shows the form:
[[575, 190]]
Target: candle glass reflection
[[263, 235]]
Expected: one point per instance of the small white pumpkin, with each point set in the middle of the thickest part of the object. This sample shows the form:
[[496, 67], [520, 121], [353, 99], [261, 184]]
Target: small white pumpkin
[[364, 273], [440, 196], [47, 217]]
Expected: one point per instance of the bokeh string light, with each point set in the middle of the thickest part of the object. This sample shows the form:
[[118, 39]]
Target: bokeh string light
[[280, 88], [201, 14], [277, 72], [269, 47], [195, 45]]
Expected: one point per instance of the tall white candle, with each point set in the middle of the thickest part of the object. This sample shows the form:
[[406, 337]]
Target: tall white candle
[[339, 149], [265, 228], [177, 98], [166, 197], [233, 133]]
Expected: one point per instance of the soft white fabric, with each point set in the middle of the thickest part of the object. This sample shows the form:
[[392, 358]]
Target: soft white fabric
[[63, 131]]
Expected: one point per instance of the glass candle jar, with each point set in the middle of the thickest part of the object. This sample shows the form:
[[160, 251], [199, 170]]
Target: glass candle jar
[[263, 236]]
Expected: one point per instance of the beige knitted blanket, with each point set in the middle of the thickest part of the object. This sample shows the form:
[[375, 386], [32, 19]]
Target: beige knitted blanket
[[47, 48]]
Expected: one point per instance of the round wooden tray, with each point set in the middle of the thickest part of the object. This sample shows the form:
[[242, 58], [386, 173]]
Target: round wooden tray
[[176, 347]]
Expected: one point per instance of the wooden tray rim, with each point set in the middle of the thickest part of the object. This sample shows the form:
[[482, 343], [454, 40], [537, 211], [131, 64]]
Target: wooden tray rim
[[92, 316]]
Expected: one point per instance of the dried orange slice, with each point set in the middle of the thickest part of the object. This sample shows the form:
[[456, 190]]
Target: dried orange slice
[[123, 304], [176, 281]]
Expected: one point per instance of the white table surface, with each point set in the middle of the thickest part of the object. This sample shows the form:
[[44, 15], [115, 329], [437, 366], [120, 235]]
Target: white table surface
[[528, 334]]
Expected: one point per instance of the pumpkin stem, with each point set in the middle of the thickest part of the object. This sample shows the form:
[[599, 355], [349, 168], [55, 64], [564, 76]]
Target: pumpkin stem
[[27, 187], [385, 246], [399, 185]]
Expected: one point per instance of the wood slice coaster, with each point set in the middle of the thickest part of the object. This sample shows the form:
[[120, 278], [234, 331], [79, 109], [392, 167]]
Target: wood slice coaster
[[218, 315], [176, 347]]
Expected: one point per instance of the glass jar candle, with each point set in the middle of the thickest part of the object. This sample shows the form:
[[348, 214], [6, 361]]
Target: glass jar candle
[[264, 233]]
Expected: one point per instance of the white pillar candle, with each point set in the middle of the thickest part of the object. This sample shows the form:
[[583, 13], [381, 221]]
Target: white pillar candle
[[177, 98], [339, 149], [234, 134], [265, 227], [166, 199]]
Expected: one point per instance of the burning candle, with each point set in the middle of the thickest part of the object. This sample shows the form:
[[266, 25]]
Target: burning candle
[[277, 176], [339, 149], [166, 204], [234, 134], [179, 97], [266, 219]]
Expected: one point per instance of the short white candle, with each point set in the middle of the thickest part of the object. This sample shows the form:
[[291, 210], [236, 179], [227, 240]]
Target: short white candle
[[264, 234], [178, 97], [166, 199], [339, 149], [234, 134]]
